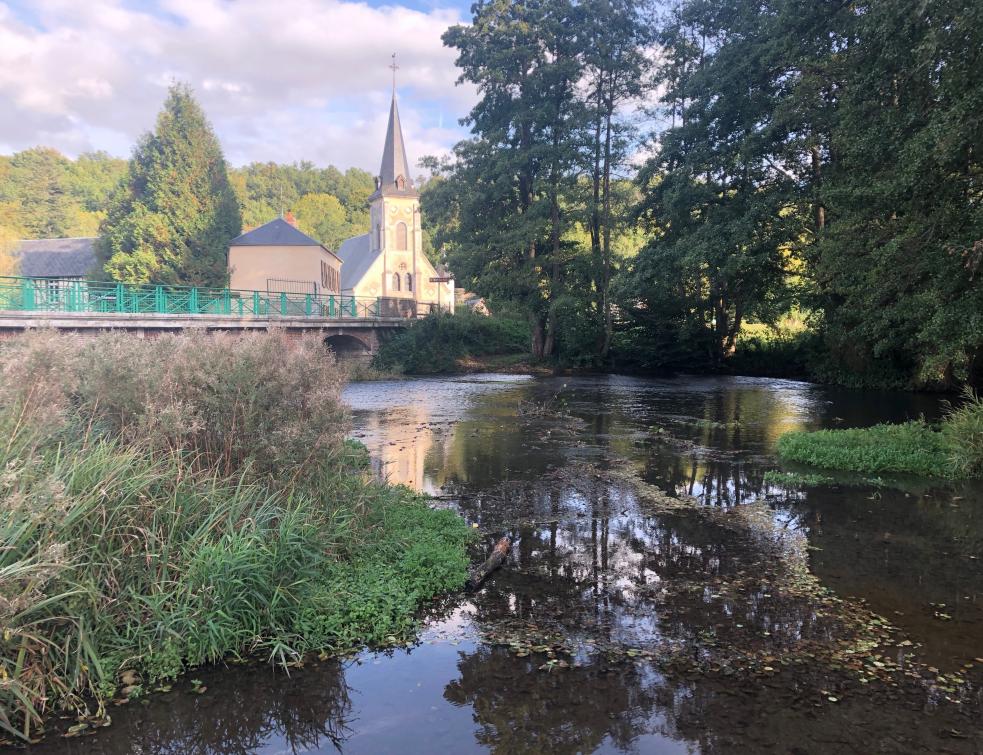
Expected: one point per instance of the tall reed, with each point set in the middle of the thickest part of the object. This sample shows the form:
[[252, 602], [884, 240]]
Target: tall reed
[[169, 503]]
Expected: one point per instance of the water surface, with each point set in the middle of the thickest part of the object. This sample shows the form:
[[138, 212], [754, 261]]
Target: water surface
[[659, 596]]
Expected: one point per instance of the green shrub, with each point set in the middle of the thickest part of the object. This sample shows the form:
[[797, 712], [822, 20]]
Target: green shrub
[[436, 343]]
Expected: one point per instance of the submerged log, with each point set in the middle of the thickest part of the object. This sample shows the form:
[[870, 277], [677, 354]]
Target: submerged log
[[498, 555]]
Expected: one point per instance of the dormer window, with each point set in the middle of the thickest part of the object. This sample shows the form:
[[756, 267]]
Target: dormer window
[[400, 183]]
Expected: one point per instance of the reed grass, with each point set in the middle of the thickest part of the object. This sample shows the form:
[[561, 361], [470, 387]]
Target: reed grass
[[133, 547]]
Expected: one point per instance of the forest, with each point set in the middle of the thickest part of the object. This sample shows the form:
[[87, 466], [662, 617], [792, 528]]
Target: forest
[[777, 187], [808, 198]]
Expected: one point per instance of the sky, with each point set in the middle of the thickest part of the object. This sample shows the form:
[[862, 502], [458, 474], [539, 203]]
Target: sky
[[280, 80]]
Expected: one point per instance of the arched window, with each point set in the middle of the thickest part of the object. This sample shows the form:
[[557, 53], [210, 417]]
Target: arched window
[[401, 236], [409, 281], [395, 281], [400, 183]]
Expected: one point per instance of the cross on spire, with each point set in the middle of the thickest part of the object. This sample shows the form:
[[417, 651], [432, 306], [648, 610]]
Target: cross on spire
[[394, 68]]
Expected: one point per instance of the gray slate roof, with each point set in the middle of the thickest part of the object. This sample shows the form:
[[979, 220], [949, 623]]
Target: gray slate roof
[[394, 162], [277, 232], [56, 258], [356, 259]]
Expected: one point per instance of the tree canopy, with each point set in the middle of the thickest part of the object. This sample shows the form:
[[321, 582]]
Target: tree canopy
[[171, 219]]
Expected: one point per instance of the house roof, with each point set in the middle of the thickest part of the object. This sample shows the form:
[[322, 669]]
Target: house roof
[[56, 258], [394, 162], [356, 258], [277, 232]]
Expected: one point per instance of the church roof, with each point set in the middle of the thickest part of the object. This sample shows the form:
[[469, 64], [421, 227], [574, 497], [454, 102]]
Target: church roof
[[356, 259], [277, 232], [394, 161]]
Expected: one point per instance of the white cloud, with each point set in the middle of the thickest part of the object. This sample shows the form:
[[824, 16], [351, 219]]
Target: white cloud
[[285, 80]]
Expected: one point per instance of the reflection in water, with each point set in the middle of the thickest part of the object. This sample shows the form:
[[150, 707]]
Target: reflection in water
[[600, 574]]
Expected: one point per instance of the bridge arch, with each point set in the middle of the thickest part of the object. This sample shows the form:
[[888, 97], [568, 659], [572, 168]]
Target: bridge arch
[[346, 345]]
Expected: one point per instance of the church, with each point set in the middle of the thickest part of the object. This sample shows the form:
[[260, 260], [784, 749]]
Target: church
[[388, 262]]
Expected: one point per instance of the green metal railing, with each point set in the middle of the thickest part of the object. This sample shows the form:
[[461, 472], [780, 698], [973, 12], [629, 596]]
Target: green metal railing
[[67, 295]]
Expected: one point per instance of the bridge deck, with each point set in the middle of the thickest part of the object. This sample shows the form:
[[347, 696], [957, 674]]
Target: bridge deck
[[16, 320]]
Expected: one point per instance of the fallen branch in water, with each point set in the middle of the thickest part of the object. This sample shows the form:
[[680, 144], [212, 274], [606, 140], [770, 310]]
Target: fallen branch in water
[[498, 555]]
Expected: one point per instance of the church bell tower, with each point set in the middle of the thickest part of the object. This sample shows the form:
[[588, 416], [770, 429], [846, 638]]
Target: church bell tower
[[394, 212]]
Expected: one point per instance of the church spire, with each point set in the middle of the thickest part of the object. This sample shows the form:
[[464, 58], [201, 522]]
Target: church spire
[[394, 175]]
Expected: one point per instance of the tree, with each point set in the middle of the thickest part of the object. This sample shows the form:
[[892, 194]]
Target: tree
[[39, 184], [323, 217], [509, 183], [616, 66], [897, 268], [173, 217], [719, 211]]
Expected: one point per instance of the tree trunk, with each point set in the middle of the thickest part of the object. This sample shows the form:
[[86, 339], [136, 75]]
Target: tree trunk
[[817, 178], [498, 555], [606, 278]]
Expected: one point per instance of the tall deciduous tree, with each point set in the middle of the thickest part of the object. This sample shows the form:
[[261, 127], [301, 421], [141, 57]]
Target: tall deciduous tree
[[714, 200], [173, 217], [616, 39]]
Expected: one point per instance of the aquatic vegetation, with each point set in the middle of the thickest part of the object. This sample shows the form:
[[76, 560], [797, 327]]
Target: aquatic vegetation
[[795, 479], [953, 449], [912, 447], [144, 530]]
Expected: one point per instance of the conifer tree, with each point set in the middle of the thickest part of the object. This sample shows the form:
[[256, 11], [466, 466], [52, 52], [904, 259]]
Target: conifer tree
[[172, 219]]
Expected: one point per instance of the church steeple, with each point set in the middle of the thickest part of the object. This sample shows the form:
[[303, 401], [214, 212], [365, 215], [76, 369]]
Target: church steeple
[[394, 175]]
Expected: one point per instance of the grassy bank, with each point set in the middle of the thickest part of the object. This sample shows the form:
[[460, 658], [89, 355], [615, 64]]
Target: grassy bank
[[169, 503], [952, 449], [443, 343]]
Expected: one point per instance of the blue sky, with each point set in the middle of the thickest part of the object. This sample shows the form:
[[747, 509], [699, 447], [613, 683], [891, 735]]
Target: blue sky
[[281, 80]]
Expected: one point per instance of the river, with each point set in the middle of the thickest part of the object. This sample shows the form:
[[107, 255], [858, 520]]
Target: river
[[660, 596]]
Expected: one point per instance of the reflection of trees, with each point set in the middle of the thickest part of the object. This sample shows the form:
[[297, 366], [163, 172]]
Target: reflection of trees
[[520, 709], [243, 711], [903, 554]]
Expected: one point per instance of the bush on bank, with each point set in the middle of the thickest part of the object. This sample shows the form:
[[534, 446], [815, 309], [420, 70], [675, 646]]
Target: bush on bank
[[436, 343], [954, 449], [173, 502]]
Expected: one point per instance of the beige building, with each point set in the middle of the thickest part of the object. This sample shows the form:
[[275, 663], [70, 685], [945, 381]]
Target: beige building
[[278, 258], [388, 262]]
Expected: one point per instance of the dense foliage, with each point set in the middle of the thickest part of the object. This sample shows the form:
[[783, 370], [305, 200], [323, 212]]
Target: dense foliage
[[527, 209], [145, 525], [814, 158], [171, 219], [438, 343], [829, 153]]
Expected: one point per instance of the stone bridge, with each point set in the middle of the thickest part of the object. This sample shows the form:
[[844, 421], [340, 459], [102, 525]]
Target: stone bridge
[[351, 325], [348, 337]]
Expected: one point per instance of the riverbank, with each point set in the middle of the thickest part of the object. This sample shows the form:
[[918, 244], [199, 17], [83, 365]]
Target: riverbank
[[181, 501]]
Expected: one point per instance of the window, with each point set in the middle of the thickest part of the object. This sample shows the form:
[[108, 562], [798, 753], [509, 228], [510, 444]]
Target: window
[[325, 280], [400, 183], [401, 236], [409, 281], [395, 281]]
